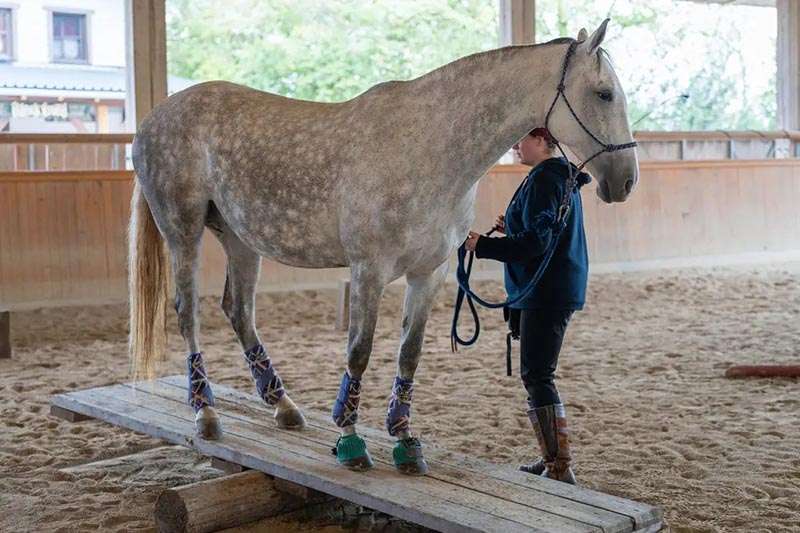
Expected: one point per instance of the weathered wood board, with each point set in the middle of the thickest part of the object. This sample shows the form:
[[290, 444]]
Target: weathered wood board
[[459, 494]]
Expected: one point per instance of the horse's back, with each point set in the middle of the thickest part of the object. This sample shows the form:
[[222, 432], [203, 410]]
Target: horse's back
[[251, 154], [222, 124], [221, 108]]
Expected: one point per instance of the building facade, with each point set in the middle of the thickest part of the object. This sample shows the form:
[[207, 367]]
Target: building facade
[[63, 66]]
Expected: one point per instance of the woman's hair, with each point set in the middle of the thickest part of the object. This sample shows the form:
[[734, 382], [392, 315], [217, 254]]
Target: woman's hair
[[544, 133]]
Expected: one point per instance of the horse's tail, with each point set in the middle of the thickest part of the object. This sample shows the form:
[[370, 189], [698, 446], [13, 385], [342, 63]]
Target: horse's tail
[[148, 286]]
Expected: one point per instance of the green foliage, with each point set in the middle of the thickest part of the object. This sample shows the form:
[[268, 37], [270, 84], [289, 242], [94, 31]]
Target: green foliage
[[332, 50], [681, 64], [326, 51]]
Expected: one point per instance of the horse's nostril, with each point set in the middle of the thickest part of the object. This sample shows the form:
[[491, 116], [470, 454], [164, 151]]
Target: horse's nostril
[[628, 186]]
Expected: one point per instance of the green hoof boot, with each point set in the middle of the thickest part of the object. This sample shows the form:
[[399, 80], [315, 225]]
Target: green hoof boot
[[408, 457], [351, 451]]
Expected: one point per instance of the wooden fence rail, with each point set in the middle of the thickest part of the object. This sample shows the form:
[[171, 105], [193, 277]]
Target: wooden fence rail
[[86, 151], [58, 151], [63, 234]]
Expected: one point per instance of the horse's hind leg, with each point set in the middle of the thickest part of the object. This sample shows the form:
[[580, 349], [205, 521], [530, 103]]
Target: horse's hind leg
[[420, 294], [185, 250], [179, 210], [238, 303]]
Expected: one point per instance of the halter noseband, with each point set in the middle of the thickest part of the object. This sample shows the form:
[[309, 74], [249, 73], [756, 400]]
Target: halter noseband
[[606, 147]]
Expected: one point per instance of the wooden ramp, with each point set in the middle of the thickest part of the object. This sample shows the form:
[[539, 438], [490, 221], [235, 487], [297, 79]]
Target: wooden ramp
[[460, 493]]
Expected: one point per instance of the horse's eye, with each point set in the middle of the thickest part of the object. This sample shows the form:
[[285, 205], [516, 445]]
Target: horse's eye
[[606, 96]]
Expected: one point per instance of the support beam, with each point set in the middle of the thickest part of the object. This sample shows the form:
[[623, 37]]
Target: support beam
[[282, 485], [146, 31], [227, 501], [517, 26], [5, 334], [517, 22], [788, 48], [226, 466]]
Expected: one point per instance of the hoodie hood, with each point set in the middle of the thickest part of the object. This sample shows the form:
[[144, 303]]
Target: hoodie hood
[[559, 165]]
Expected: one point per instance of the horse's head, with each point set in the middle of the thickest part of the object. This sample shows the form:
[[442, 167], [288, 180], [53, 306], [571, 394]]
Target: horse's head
[[597, 98]]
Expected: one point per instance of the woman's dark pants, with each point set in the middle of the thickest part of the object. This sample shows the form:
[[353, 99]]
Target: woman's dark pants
[[541, 334]]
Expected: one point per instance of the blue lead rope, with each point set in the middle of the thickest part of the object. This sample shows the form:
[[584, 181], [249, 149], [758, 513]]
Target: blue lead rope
[[464, 291]]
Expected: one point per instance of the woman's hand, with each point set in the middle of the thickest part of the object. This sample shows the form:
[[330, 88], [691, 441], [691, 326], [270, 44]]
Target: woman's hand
[[500, 224], [472, 241]]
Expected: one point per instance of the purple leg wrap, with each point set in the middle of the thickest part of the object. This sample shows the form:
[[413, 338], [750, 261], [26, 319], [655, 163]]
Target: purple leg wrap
[[268, 382], [398, 418], [345, 410], [200, 394]]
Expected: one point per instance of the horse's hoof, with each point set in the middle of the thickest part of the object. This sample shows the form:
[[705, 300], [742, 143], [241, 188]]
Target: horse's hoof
[[417, 468], [209, 429], [351, 452], [408, 457], [359, 464], [290, 419], [207, 424]]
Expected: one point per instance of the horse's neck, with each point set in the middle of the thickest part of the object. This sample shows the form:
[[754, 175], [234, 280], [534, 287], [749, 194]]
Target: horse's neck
[[484, 104]]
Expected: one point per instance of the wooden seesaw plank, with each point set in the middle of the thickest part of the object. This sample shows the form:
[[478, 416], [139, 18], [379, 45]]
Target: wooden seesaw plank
[[382, 488], [450, 499], [255, 412], [641, 515], [472, 494]]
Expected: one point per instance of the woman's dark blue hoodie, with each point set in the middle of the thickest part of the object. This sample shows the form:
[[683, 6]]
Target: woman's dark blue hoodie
[[529, 220]]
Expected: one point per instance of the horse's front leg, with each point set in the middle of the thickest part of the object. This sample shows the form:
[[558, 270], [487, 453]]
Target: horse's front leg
[[366, 288], [420, 293]]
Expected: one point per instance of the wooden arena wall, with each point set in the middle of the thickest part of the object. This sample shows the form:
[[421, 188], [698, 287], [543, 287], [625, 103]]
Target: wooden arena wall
[[63, 235]]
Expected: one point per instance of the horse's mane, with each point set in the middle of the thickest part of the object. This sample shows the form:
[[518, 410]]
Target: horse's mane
[[478, 56]]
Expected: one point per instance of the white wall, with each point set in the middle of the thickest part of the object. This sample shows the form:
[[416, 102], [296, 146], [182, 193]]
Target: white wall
[[105, 26]]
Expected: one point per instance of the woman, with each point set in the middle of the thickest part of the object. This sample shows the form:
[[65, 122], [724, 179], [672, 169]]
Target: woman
[[544, 315]]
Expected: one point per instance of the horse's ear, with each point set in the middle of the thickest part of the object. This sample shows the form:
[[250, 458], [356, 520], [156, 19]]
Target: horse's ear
[[582, 35], [597, 37]]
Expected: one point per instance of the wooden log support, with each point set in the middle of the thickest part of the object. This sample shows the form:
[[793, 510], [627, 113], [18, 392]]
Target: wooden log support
[[5, 334], [66, 414], [226, 466], [225, 502], [763, 371], [343, 306], [282, 485]]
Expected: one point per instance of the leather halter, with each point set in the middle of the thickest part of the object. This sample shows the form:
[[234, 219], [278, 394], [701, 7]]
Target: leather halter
[[605, 147]]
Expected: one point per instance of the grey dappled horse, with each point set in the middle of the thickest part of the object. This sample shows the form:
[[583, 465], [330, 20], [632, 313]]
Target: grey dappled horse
[[384, 183]]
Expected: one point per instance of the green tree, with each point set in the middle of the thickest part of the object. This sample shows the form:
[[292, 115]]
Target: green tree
[[680, 63], [336, 49], [326, 51]]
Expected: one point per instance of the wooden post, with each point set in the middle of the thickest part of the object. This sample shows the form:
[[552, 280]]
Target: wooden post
[[343, 306], [517, 22], [225, 502], [763, 371], [5, 334], [517, 26], [788, 76], [147, 57]]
